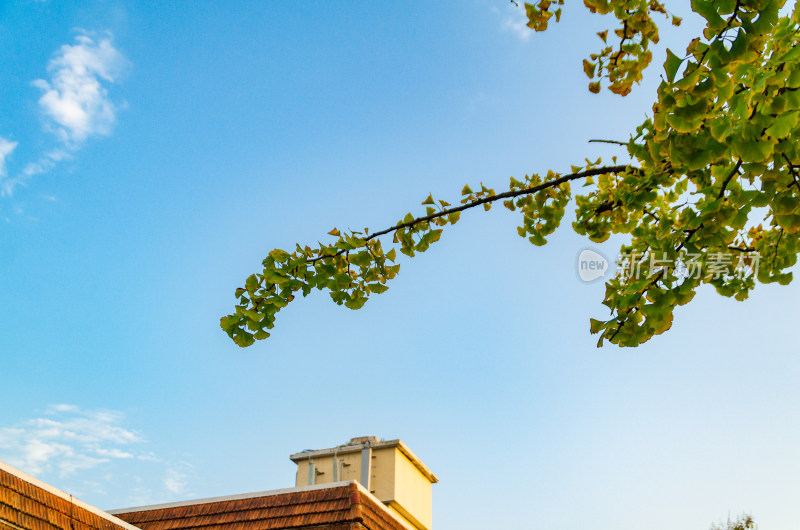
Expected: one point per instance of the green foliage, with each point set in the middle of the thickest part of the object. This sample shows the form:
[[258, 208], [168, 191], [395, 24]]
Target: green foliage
[[743, 522], [714, 180], [622, 65]]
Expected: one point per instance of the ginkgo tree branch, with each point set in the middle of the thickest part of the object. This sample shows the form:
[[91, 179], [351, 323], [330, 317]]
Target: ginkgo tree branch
[[726, 114], [727, 180], [488, 199]]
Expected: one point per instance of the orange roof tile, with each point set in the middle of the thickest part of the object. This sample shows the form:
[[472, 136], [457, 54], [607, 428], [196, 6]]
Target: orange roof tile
[[334, 506], [29, 504]]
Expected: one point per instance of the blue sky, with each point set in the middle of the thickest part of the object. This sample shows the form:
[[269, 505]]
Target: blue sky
[[153, 154]]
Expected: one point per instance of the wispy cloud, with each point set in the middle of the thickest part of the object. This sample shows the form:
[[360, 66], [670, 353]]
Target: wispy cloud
[[75, 103], [75, 98], [62, 407], [514, 19], [166, 484], [93, 453], [6, 148], [45, 163], [69, 440], [114, 453], [175, 480]]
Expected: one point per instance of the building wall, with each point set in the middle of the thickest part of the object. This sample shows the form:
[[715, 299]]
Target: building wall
[[412, 491], [394, 480], [382, 483], [349, 469]]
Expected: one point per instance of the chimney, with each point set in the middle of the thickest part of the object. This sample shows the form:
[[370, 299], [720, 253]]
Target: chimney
[[388, 469]]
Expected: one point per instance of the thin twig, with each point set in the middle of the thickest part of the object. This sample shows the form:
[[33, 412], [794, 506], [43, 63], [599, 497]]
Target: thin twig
[[777, 244], [608, 142], [793, 171], [728, 178], [652, 282], [622, 41]]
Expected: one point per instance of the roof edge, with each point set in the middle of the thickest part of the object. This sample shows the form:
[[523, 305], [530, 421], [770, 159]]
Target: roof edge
[[364, 491], [66, 496], [417, 462], [353, 484], [253, 495]]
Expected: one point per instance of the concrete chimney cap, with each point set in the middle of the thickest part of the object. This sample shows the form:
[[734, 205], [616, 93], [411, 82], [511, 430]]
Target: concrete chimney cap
[[363, 440], [359, 444]]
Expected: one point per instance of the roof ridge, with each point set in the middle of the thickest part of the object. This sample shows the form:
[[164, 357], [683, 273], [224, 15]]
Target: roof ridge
[[236, 497]]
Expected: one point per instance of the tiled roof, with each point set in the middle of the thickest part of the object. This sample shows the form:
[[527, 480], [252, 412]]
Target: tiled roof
[[335, 506], [28, 504]]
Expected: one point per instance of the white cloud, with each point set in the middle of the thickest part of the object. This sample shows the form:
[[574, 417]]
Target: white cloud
[[92, 453], [61, 407], [75, 98], [175, 481], [79, 462], [45, 163], [514, 19], [114, 453], [70, 440], [6, 148]]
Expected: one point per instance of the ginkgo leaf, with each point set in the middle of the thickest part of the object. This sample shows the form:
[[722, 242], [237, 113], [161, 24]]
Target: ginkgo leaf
[[671, 65], [783, 124], [753, 150]]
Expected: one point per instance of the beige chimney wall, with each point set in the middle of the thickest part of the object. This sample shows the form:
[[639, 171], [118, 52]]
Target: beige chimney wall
[[388, 469]]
